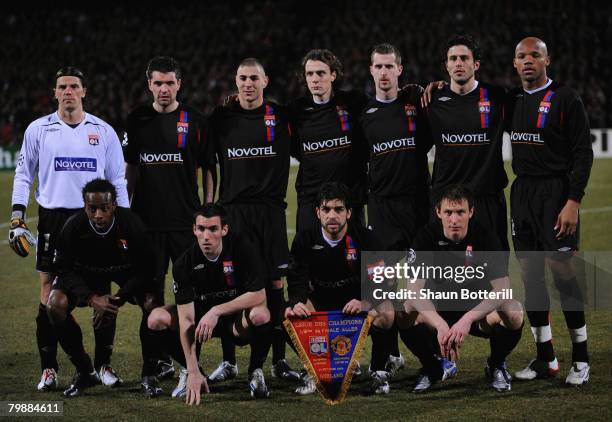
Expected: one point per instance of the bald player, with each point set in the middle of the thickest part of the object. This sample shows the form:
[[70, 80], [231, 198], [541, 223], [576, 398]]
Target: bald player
[[552, 159], [249, 139]]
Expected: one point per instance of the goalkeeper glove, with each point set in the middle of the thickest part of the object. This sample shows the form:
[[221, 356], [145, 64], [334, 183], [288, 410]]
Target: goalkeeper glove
[[20, 237]]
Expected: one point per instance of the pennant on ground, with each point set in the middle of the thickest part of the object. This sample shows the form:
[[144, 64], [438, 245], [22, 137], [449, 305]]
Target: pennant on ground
[[329, 345]]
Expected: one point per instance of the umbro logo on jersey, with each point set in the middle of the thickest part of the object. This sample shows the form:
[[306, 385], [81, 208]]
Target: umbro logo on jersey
[[53, 129], [309, 109], [198, 267], [371, 110], [564, 249], [317, 247], [442, 243], [444, 99]]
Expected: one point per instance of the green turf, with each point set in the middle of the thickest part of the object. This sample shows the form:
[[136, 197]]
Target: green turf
[[466, 397]]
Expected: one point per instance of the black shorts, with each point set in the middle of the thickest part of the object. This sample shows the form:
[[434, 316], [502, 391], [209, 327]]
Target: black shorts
[[50, 224], [397, 220], [535, 205], [333, 300], [307, 218], [101, 286], [267, 226], [167, 245]]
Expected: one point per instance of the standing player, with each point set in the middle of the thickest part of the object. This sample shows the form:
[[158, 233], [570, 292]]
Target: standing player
[[97, 245], [219, 286], [163, 148], [398, 171], [466, 120], [250, 141], [461, 243], [552, 158], [325, 275], [64, 150], [326, 138]]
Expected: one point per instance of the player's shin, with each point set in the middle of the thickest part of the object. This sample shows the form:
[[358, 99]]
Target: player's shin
[[260, 345], [46, 339]]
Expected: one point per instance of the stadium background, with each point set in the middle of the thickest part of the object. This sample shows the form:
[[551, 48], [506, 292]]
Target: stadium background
[[112, 45]]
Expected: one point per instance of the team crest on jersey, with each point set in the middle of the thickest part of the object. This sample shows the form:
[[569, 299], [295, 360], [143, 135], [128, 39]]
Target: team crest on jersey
[[318, 345], [484, 106], [93, 139], [341, 345], [228, 272], [410, 110], [351, 254], [123, 244], [182, 127], [270, 120], [544, 107]]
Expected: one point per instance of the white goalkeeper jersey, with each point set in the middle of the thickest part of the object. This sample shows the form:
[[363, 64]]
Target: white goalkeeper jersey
[[65, 159]]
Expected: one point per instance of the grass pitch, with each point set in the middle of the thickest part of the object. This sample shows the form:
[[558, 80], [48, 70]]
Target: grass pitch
[[465, 397]]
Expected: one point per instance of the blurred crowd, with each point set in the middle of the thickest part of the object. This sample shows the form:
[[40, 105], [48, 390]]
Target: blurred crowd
[[113, 43]]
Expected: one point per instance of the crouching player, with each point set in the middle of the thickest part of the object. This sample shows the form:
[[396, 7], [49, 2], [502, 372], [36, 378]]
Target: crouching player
[[325, 274], [488, 311], [219, 287], [97, 245]]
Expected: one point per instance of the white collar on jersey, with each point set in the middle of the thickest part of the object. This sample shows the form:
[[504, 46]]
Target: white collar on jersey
[[475, 86], [102, 233], [546, 85], [318, 102], [330, 242], [55, 118], [386, 101]]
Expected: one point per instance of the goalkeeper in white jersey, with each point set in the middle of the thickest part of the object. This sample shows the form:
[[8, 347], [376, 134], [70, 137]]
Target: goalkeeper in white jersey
[[64, 150]]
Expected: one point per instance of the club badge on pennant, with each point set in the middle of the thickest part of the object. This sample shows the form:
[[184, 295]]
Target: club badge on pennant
[[329, 345]]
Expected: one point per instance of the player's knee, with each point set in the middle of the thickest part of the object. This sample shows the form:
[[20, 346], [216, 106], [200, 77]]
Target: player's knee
[[513, 315], [57, 307], [405, 320], [384, 319], [259, 316], [278, 284], [158, 320]]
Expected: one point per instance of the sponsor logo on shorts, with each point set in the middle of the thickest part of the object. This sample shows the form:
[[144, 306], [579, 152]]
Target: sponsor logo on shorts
[[75, 164], [394, 145], [327, 145]]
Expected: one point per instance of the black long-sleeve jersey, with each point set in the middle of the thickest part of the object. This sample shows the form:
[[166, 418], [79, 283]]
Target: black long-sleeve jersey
[[549, 131], [85, 256], [237, 270], [468, 131], [316, 267], [168, 149], [252, 149], [398, 140], [328, 142]]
